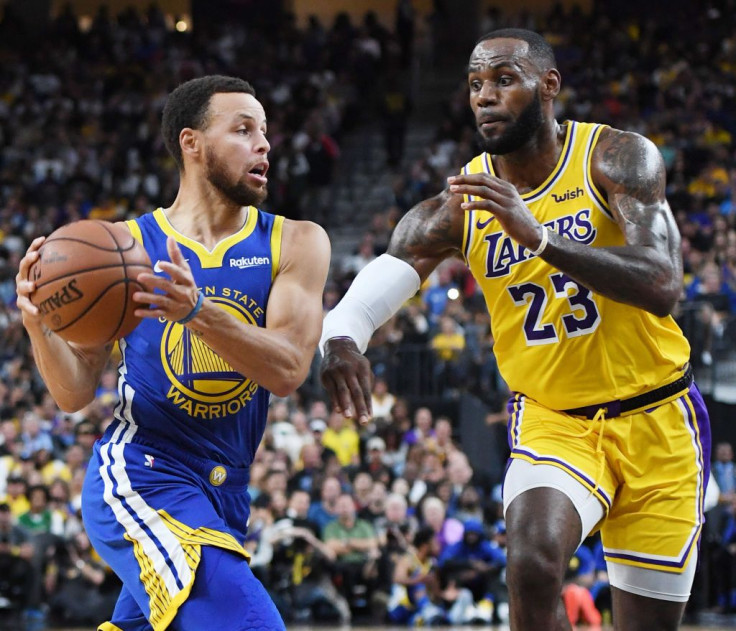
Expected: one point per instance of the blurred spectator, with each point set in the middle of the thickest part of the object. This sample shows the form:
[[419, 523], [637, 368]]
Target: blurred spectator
[[448, 531], [578, 600], [422, 429], [410, 595], [78, 585], [374, 464], [16, 571], [355, 545], [474, 562], [341, 437], [16, 495], [448, 344], [34, 437], [381, 400], [324, 511], [437, 295], [309, 469], [301, 565]]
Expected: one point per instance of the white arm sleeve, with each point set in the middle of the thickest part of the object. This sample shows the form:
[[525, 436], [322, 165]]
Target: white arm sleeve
[[377, 292]]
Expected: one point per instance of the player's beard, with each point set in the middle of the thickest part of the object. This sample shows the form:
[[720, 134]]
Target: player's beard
[[236, 191], [518, 133]]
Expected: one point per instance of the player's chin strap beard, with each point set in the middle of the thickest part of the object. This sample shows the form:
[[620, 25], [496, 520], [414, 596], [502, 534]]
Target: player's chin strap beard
[[600, 415]]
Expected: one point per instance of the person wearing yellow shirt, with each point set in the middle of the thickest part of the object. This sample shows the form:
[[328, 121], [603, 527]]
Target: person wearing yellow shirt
[[15, 495], [449, 343], [341, 437]]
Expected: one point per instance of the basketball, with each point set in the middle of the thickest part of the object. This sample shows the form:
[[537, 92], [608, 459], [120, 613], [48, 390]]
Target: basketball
[[85, 279]]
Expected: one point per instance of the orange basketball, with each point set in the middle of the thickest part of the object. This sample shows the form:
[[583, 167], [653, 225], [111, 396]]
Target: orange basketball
[[85, 279]]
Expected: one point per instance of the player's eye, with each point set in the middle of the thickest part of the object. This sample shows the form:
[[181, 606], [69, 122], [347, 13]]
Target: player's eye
[[475, 86], [505, 80]]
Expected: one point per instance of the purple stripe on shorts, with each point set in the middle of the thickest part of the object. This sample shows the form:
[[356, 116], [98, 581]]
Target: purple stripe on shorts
[[566, 465]]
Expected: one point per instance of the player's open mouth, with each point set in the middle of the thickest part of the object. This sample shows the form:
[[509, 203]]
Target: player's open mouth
[[258, 173]]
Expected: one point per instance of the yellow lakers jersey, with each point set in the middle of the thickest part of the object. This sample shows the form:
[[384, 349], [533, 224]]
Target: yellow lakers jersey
[[555, 340]]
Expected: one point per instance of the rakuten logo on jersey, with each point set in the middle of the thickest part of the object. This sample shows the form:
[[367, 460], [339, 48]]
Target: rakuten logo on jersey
[[250, 261]]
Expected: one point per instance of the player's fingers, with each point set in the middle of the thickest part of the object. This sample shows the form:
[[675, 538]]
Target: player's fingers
[[25, 263], [24, 304], [344, 397], [365, 382], [356, 394], [483, 204], [329, 384], [150, 313], [486, 192], [484, 179], [150, 298], [35, 244], [172, 247], [24, 287], [177, 274], [151, 282]]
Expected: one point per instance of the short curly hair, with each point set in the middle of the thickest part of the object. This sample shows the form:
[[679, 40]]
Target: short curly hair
[[188, 105]]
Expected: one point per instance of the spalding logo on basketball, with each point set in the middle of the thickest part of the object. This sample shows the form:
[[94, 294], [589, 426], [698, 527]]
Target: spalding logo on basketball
[[85, 279]]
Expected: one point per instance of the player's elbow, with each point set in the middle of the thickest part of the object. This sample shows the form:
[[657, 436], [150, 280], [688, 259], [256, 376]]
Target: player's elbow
[[287, 382], [663, 301], [73, 403]]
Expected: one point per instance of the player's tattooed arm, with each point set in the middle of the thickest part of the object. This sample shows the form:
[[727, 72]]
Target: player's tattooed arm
[[429, 233], [647, 271]]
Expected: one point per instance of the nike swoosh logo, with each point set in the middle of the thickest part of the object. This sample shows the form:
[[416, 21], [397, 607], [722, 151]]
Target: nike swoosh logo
[[478, 224], [157, 267]]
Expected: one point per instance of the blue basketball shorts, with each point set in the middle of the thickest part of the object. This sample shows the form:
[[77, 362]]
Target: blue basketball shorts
[[172, 527]]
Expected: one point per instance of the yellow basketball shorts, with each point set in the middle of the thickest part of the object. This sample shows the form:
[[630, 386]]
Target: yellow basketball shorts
[[648, 469]]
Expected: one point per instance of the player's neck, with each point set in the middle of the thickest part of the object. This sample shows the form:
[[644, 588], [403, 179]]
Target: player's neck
[[528, 167], [203, 215]]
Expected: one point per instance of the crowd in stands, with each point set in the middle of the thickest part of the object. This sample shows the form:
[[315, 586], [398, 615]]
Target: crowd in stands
[[389, 521]]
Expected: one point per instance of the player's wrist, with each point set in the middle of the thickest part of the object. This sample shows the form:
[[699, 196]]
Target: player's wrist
[[544, 240], [195, 309], [341, 341]]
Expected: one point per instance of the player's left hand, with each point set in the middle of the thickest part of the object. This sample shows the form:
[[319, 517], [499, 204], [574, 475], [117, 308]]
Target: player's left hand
[[176, 296], [503, 200]]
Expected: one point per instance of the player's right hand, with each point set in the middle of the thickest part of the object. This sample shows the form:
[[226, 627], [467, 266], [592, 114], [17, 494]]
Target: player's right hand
[[346, 375], [24, 286]]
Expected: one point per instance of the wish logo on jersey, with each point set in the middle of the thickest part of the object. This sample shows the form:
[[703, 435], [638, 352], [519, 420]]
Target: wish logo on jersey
[[504, 253], [202, 383]]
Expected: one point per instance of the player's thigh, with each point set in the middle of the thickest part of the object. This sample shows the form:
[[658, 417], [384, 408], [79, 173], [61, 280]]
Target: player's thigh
[[550, 438], [227, 596], [523, 476]]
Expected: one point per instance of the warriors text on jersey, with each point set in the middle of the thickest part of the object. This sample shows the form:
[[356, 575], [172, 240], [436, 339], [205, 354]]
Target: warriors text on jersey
[[555, 340], [173, 387]]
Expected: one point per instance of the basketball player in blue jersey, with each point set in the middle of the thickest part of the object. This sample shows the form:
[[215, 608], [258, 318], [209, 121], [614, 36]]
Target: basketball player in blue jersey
[[232, 313], [567, 231]]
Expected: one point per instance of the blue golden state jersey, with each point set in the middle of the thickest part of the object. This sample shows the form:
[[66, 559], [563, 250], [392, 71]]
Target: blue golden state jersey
[[173, 387], [555, 340]]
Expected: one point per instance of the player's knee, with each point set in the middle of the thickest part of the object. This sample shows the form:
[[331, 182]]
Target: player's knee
[[535, 565]]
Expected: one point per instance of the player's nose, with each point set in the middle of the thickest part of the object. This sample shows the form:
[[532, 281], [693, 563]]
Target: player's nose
[[488, 94], [262, 144]]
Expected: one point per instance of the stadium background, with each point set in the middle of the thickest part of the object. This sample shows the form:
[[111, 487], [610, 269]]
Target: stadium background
[[367, 114]]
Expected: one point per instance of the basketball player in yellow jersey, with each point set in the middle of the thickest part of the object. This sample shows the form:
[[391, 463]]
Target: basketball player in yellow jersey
[[566, 228]]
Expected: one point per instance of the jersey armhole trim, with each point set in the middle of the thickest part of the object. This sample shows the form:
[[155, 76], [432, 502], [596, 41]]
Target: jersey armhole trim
[[135, 230], [599, 199], [276, 234]]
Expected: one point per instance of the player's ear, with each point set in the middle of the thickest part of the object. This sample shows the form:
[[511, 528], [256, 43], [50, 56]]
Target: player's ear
[[551, 82], [189, 141]]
